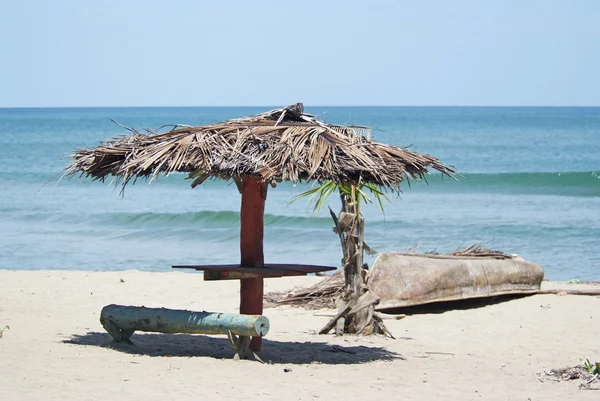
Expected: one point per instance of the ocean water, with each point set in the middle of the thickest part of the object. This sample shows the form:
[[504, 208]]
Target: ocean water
[[530, 185]]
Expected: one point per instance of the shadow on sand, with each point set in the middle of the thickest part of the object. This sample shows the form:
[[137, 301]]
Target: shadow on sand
[[448, 306], [188, 345]]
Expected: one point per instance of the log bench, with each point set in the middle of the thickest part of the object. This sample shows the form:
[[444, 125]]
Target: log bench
[[122, 321]]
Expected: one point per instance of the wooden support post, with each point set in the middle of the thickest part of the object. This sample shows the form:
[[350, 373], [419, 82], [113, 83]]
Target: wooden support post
[[254, 194]]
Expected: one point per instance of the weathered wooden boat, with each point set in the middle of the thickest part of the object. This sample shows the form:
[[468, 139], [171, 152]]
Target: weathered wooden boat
[[401, 280]]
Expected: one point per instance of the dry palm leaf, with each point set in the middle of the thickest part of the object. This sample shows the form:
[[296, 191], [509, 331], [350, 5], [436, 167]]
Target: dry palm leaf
[[280, 145]]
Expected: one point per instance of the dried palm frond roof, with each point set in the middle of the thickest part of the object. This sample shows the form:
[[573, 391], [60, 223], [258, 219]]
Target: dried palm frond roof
[[282, 144]]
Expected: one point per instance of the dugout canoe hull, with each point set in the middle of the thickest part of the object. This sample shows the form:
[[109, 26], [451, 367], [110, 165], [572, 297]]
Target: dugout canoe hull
[[402, 280]]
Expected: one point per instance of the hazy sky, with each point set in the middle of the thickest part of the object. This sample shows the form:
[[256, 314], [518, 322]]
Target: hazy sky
[[211, 53]]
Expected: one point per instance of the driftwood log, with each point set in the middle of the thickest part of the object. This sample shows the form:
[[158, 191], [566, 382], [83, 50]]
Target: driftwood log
[[402, 280], [122, 321], [570, 291]]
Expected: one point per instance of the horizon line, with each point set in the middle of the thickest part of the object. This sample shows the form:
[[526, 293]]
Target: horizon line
[[271, 106]]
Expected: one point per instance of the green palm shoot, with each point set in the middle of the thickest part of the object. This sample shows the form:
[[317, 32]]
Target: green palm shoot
[[318, 195]]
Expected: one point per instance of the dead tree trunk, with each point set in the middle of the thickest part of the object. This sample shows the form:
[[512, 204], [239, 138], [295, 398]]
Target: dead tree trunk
[[352, 247], [356, 308]]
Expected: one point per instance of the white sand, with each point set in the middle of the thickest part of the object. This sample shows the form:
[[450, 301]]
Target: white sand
[[57, 349]]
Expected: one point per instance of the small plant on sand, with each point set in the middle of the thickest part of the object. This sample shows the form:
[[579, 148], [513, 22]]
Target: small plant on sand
[[2, 330], [592, 368]]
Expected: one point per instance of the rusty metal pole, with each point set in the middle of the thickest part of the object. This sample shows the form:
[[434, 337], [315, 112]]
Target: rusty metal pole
[[254, 194]]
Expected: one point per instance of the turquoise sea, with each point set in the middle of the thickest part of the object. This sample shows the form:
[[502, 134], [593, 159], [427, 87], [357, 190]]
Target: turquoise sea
[[530, 185]]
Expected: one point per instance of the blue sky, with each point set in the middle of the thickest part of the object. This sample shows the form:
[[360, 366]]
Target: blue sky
[[222, 53]]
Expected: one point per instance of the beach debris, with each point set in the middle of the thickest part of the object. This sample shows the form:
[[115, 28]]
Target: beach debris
[[7, 327], [593, 290], [402, 280], [322, 295], [587, 372], [439, 353], [495, 268], [475, 250], [383, 316], [346, 312], [566, 374], [325, 294]]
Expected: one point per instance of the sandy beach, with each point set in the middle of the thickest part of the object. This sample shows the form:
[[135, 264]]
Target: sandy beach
[[57, 349]]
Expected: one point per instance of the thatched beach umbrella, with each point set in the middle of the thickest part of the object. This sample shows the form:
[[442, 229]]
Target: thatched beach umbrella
[[280, 145]]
